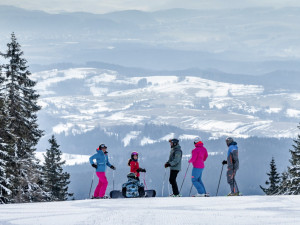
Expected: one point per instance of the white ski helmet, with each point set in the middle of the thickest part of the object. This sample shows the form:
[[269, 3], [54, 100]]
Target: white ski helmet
[[197, 139]]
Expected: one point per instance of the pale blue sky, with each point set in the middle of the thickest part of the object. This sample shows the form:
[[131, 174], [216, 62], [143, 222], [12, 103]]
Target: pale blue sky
[[103, 6]]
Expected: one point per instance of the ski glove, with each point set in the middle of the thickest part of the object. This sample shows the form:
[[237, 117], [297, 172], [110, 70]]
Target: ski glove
[[141, 170], [167, 165], [224, 162], [112, 167], [95, 166]]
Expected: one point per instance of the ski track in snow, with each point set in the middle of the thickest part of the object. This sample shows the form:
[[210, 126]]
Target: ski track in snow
[[244, 210]]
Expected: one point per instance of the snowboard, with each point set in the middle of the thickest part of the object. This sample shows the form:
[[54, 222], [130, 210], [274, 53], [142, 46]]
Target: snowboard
[[118, 194]]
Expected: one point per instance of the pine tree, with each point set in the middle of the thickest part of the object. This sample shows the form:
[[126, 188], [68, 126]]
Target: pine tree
[[21, 102], [284, 184], [294, 169], [56, 181], [274, 180], [4, 181]]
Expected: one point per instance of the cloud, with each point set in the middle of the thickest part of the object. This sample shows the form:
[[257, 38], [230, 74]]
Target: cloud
[[103, 6]]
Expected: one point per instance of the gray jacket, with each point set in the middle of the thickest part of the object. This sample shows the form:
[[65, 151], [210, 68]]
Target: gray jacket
[[175, 158]]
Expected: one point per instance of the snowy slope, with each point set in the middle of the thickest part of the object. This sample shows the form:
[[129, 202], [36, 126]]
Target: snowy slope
[[70, 159], [254, 210], [81, 99]]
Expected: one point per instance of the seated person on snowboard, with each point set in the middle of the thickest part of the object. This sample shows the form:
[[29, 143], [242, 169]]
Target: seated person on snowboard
[[133, 188]]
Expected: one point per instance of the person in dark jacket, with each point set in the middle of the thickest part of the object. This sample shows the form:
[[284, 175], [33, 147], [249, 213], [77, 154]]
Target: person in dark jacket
[[174, 163], [232, 165], [133, 188]]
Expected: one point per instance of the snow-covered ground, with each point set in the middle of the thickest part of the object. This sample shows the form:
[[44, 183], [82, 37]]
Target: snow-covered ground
[[256, 210]]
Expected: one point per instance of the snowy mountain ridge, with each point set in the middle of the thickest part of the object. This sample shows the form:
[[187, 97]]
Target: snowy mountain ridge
[[81, 99]]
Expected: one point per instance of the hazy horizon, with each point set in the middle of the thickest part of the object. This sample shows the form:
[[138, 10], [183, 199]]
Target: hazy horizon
[[99, 7]]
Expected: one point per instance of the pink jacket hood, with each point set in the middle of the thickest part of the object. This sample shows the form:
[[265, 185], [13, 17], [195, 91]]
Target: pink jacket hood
[[199, 155]]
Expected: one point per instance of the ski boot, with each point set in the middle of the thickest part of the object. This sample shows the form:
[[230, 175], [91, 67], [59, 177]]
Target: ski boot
[[234, 194], [201, 195], [172, 195]]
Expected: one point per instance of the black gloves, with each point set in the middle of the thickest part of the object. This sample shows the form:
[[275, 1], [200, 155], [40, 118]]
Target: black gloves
[[224, 162], [112, 167], [167, 165], [141, 170], [95, 166]]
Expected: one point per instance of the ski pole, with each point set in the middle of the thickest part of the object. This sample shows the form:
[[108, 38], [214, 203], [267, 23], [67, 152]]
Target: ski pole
[[220, 180], [191, 190], [144, 177], [184, 176], [113, 180], [91, 185], [162, 190]]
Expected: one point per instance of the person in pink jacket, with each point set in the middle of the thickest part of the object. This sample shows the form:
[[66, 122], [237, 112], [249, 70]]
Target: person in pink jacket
[[199, 155]]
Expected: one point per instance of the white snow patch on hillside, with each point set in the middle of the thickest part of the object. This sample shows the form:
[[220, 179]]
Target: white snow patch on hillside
[[293, 113], [295, 96], [147, 140], [122, 117], [96, 91], [245, 210], [71, 159], [132, 135], [216, 125], [167, 137], [48, 78], [60, 128], [103, 77], [187, 137], [273, 110]]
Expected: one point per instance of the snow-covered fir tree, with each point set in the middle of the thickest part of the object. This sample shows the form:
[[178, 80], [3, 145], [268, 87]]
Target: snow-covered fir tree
[[274, 180], [21, 103], [4, 181], [294, 169], [56, 181], [284, 184]]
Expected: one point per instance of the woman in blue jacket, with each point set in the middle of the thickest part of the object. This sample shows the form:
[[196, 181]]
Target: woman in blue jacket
[[101, 158]]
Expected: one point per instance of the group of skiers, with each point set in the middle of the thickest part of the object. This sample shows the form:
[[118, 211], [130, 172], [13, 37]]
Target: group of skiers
[[199, 156]]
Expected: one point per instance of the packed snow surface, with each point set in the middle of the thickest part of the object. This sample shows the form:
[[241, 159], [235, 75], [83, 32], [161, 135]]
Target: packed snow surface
[[242, 210]]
